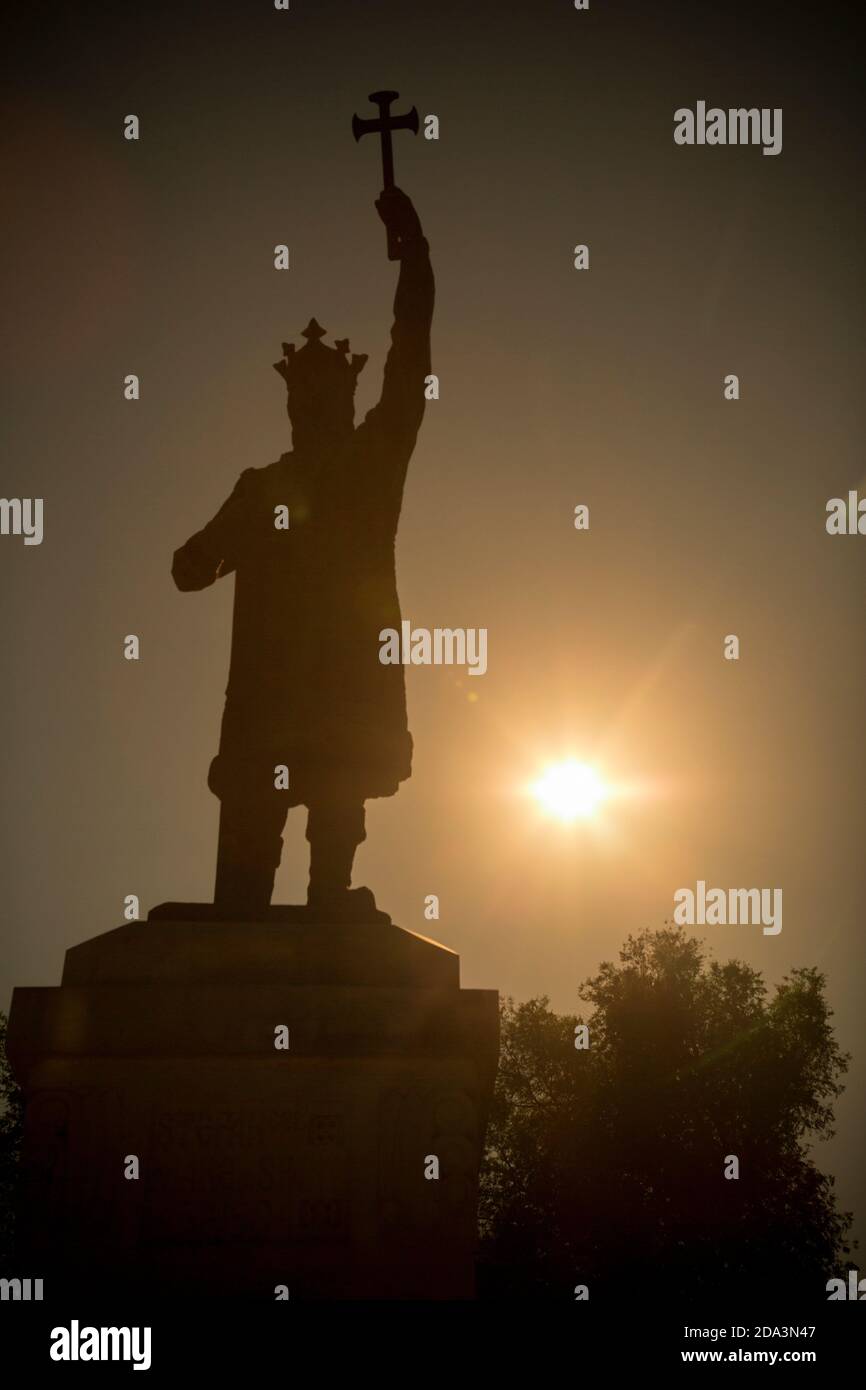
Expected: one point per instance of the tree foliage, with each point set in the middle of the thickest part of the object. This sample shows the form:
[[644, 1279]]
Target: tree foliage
[[11, 1125], [606, 1165]]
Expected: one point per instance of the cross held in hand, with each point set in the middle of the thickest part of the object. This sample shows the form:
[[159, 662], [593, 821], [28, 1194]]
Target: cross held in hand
[[383, 125]]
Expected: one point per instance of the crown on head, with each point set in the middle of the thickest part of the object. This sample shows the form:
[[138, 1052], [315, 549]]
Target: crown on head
[[314, 360]]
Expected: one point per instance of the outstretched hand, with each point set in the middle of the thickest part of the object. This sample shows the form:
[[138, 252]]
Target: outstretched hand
[[398, 213]]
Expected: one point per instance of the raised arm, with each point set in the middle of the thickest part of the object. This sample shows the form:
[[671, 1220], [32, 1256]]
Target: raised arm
[[401, 406], [208, 555]]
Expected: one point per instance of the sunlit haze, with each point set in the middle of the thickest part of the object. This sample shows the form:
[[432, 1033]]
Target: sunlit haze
[[570, 790]]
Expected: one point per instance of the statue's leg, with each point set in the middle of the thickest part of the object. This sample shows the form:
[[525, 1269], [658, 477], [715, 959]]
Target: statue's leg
[[248, 854], [334, 830]]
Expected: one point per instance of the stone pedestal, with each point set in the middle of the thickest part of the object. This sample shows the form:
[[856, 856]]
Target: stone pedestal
[[257, 1167]]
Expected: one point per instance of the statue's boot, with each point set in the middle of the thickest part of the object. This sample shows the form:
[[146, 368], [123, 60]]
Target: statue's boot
[[334, 833], [248, 854]]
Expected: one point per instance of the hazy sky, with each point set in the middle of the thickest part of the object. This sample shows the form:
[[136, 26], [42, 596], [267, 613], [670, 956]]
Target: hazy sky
[[558, 387]]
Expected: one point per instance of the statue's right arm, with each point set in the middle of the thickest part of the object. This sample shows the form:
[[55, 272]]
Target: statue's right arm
[[407, 367], [209, 554]]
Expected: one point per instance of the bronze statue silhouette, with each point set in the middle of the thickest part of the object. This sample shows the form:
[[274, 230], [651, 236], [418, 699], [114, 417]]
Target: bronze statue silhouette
[[310, 540]]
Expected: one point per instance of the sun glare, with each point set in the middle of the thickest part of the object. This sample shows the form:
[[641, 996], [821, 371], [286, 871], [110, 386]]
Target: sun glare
[[570, 791]]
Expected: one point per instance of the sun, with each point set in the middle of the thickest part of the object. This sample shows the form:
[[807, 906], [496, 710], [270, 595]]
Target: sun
[[570, 791]]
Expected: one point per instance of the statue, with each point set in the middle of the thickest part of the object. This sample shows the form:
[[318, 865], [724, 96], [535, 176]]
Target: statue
[[312, 717], [260, 1164]]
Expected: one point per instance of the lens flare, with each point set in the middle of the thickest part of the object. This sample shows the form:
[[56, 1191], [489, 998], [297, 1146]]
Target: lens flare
[[570, 791]]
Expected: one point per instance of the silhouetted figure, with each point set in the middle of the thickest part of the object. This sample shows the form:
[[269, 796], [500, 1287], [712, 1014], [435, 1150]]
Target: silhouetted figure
[[306, 687]]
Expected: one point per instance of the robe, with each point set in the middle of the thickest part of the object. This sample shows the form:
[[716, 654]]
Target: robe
[[306, 688]]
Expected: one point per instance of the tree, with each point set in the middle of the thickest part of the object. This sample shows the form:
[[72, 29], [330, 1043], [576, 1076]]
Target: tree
[[11, 1126], [606, 1166]]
